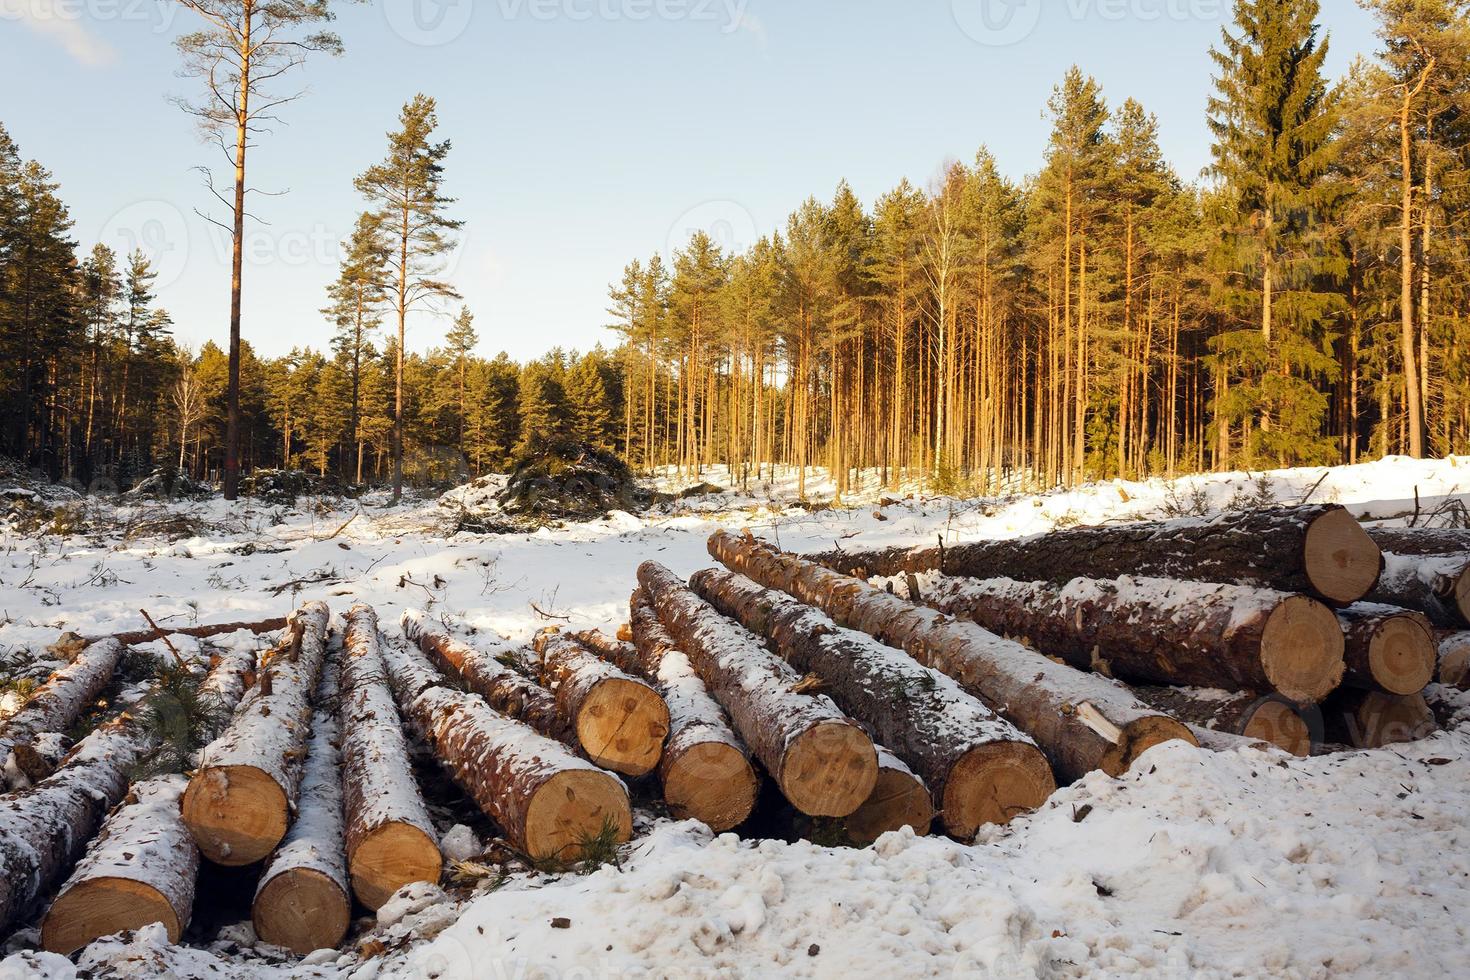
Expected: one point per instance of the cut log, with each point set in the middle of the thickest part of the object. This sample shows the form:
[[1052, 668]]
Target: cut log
[[1426, 569], [1454, 660], [302, 902], [979, 766], [231, 674], [1372, 719], [825, 764], [1388, 649], [1318, 550], [60, 701], [899, 799], [1162, 631], [1270, 718], [621, 722], [241, 800], [140, 870], [503, 688], [390, 838], [138, 637], [1081, 721], [705, 769], [550, 803]]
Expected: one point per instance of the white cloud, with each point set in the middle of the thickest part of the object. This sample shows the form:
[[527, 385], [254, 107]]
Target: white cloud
[[61, 22]]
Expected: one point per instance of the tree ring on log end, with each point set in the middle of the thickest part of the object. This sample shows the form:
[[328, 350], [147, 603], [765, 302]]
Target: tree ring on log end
[[622, 725], [1402, 656], [1385, 719], [1342, 562], [713, 782], [994, 784], [237, 814], [1302, 650], [1454, 664], [1141, 736], [103, 907], [391, 856], [302, 910], [573, 808], [1281, 725], [829, 770], [898, 800]]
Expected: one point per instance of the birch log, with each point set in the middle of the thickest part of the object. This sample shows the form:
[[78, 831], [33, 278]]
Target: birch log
[[390, 838], [825, 765], [1081, 721], [1388, 649], [240, 802], [549, 803], [1317, 550], [980, 768], [140, 870]]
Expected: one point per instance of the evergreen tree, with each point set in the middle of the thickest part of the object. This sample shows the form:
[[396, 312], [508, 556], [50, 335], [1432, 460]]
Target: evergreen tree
[[357, 299], [462, 341], [589, 405], [542, 403]]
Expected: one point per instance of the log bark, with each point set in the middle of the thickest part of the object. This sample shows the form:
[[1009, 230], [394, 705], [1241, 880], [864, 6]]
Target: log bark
[[231, 674], [1271, 719], [59, 702], [1319, 550], [705, 769], [1454, 660], [241, 800], [140, 870], [1081, 721], [198, 632], [390, 838], [980, 768], [548, 802], [1428, 570], [302, 902], [620, 722], [1161, 631], [1388, 649], [502, 687], [824, 763], [899, 799], [1372, 719]]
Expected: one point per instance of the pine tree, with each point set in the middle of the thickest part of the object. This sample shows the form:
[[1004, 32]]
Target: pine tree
[[588, 402], [542, 403], [357, 299], [462, 341]]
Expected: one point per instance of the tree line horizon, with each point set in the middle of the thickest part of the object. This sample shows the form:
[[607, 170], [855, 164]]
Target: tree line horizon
[[1304, 304]]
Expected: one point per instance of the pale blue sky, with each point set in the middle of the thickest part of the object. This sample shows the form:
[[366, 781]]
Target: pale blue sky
[[586, 132]]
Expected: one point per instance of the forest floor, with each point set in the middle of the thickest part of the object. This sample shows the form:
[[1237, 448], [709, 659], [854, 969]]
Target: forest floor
[[1194, 863]]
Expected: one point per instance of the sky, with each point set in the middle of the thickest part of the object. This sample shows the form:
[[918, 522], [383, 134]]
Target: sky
[[586, 133]]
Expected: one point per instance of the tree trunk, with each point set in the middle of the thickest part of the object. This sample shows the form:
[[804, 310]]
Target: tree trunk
[[237, 262], [549, 803], [241, 800], [1159, 631], [1262, 718], [1388, 649], [1428, 570], [1081, 721], [140, 870], [620, 722], [230, 676], [1318, 550], [1372, 719], [705, 769], [825, 765], [56, 704], [390, 838], [1454, 660], [899, 799], [302, 902], [979, 767]]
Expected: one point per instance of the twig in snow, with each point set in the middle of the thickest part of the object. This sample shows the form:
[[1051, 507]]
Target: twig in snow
[[164, 637]]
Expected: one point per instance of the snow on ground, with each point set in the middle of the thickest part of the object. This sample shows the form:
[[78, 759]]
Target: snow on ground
[[1194, 864]]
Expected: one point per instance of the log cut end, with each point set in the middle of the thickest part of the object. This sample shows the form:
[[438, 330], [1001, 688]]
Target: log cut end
[[1139, 737], [302, 910], [899, 799], [104, 907], [572, 809], [1454, 661], [1342, 562], [829, 770], [714, 783], [622, 725], [1302, 650], [1281, 725], [1373, 720], [1402, 656], [237, 814], [389, 857], [995, 783]]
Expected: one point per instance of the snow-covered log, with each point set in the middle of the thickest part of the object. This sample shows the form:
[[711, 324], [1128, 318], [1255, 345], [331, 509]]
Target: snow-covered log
[[1317, 550], [899, 799], [138, 637], [1257, 718], [62, 699], [505, 689], [980, 768], [824, 763], [390, 839], [140, 870], [549, 802], [1388, 649], [1372, 719], [1454, 660], [302, 902], [1082, 721], [241, 800], [705, 769], [1161, 631], [620, 721], [1427, 569], [231, 674]]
